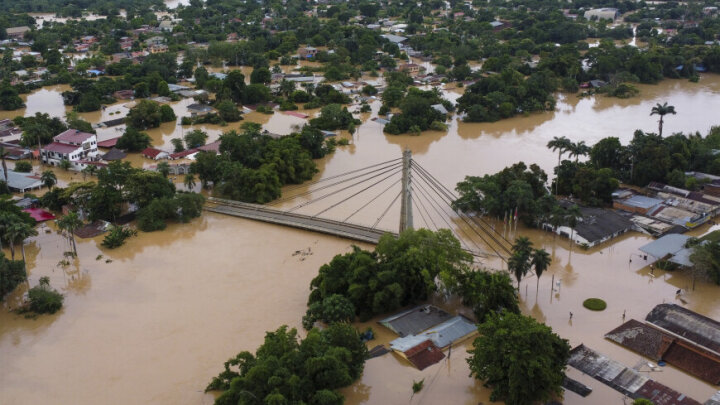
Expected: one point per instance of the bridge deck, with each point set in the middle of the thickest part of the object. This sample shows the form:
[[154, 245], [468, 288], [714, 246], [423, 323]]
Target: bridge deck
[[306, 222]]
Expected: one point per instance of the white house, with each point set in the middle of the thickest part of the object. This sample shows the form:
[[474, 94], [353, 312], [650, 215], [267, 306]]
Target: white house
[[72, 145]]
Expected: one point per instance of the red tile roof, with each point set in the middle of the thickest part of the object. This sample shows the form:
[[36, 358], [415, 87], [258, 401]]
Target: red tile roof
[[73, 135], [39, 215], [108, 143], [183, 153], [424, 355], [60, 147], [151, 152], [211, 147]]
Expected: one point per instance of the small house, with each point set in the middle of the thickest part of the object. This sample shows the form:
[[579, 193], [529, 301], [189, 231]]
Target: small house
[[154, 154], [199, 110], [307, 52], [17, 33]]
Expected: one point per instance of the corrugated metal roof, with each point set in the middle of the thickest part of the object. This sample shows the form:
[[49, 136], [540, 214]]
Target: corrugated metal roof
[[666, 245], [406, 343], [450, 331], [20, 181], [415, 320], [688, 324]]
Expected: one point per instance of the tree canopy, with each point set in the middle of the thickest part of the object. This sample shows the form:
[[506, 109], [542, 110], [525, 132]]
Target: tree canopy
[[287, 370], [520, 359]]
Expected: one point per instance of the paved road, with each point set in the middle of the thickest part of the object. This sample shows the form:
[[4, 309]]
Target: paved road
[[306, 222]]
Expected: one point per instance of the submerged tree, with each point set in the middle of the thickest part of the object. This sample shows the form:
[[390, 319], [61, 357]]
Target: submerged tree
[[70, 223], [521, 360]]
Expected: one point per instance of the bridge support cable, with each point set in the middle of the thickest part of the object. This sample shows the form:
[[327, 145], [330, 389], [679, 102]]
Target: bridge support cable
[[386, 210], [291, 197], [372, 200], [426, 212], [451, 197], [444, 216], [355, 194], [440, 189], [342, 174], [342, 189], [473, 228]]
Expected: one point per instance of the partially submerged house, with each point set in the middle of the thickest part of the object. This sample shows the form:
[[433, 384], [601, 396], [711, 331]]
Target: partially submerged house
[[658, 345], [154, 153], [426, 330], [21, 182], [199, 110], [597, 225], [72, 145], [625, 380], [670, 247]]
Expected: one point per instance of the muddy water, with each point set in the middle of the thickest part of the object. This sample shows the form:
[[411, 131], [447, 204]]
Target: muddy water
[[156, 323]]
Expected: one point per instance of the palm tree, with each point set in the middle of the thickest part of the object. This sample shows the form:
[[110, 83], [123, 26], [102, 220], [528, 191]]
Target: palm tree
[[579, 149], [49, 179], [573, 215], [65, 164], [18, 232], [164, 168], [3, 154], [190, 181], [540, 260], [662, 110], [562, 145], [70, 223], [519, 262]]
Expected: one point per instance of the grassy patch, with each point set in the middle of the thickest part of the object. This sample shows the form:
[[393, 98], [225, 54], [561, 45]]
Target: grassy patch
[[712, 236], [594, 304]]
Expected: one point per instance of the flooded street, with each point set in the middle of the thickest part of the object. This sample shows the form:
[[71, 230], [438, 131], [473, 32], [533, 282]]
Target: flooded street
[[156, 323]]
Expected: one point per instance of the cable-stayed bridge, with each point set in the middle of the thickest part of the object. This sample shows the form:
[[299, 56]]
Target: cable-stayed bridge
[[372, 192]]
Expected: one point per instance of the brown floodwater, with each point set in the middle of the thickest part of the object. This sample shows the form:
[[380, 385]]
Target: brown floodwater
[[156, 323]]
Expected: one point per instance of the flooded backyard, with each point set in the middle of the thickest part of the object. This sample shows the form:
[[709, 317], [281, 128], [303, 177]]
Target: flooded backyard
[[156, 322]]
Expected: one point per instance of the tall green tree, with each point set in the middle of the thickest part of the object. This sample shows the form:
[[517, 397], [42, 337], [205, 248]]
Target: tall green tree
[[540, 261], [48, 178], [521, 360], [70, 223], [562, 145], [662, 110]]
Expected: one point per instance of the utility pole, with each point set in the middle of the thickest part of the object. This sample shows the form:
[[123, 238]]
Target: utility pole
[[406, 217]]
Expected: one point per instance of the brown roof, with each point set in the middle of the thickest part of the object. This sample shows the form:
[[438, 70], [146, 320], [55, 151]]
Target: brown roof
[[424, 355], [662, 395], [60, 147], [688, 324], [639, 338], [658, 345], [108, 143], [73, 135], [150, 152]]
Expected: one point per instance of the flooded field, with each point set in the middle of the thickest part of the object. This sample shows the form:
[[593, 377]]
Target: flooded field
[[157, 322]]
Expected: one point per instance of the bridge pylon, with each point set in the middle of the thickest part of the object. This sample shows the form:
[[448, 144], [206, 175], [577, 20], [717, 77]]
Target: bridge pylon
[[406, 215]]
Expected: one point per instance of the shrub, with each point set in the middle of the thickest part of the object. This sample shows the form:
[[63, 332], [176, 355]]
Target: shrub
[[12, 273], [44, 299], [23, 166], [287, 106], [117, 236], [594, 304], [185, 121]]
